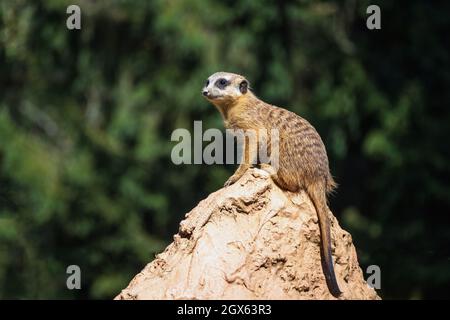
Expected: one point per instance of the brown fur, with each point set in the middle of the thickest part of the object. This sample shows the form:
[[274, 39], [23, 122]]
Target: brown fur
[[303, 161]]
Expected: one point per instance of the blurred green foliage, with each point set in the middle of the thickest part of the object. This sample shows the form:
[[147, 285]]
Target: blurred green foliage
[[86, 118]]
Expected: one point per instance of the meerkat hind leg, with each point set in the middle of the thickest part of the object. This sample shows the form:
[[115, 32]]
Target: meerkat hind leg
[[276, 178]]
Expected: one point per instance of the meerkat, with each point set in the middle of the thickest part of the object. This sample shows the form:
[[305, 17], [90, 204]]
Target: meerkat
[[303, 161]]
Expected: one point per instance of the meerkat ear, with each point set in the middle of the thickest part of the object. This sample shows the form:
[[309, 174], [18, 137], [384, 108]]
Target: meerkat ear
[[243, 86]]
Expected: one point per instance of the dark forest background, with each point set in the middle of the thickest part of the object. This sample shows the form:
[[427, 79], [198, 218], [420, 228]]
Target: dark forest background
[[86, 118]]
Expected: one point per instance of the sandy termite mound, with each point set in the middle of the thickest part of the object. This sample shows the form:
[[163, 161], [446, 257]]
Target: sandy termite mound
[[250, 240]]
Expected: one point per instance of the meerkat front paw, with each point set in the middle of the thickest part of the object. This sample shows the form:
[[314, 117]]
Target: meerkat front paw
[[231, 180]]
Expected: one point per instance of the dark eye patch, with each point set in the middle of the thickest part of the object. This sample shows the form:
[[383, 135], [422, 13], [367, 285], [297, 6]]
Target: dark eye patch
[[222, 83], [207, 83]]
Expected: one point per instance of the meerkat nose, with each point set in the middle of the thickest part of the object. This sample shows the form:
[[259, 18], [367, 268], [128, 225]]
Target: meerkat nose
[[205, 92]]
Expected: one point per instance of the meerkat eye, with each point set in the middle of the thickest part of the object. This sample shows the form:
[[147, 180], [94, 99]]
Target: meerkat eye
[[207, 83], [221, 83]]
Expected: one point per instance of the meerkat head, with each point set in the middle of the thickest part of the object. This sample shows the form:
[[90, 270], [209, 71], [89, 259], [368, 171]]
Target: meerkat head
[[223, 88]]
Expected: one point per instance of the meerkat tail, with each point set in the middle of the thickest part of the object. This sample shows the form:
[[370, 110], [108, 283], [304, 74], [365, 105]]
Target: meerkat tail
[[318, 198]]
